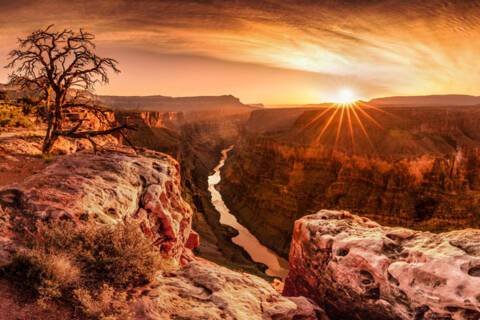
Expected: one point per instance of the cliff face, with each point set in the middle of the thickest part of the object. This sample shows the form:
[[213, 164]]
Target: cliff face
[[356, 269], [418, 168], [196, 141]]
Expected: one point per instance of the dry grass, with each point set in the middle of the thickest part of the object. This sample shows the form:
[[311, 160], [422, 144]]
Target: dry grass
[[90, 267], [47, 275], [11, 116], [105, 304], [120, 256]]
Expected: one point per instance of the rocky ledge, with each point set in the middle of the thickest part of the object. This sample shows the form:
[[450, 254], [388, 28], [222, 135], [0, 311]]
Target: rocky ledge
[[114, 186], [111, 187], [357, 269], [203, 290]]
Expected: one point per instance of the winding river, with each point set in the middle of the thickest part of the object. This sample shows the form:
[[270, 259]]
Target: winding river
[[277, 266]]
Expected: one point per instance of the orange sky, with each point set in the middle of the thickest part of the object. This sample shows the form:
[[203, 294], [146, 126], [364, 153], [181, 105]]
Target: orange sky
[[275, 52]]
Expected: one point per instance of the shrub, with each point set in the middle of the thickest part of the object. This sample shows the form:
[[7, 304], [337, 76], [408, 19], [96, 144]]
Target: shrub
[[106, 304], [13, 117], [47, 275], [118, 255], [121, 256], [88, 265]]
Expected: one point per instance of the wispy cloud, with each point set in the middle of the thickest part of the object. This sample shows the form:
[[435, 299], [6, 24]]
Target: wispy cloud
[[406, 46]]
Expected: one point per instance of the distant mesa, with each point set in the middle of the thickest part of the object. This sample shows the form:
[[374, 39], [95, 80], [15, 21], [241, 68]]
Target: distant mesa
[[168, 104], [226, 104], [432, 100]]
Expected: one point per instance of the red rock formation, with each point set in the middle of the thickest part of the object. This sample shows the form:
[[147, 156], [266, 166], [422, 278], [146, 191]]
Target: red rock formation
[[356, 269], [110, 187]]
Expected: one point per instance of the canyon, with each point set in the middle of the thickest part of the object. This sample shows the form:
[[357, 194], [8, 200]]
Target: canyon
[[117, 186], [195, 138], [212, 188], [414, 167]]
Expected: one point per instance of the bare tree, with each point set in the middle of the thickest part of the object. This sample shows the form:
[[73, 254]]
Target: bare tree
[[63, 68]]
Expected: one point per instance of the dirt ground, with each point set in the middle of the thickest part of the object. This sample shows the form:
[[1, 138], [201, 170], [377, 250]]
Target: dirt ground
[[11, 308], [20, 156]]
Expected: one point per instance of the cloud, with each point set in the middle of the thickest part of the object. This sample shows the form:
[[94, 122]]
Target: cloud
[[407, 47]]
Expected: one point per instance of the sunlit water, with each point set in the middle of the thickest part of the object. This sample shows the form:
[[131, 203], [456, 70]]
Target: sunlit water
[[277, 266]]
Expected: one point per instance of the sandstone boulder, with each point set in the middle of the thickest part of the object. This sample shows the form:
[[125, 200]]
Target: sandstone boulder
[[111, 187], [203, 290], [357, 269]]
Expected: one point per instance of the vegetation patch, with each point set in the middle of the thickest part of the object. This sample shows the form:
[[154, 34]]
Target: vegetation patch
[[88, 266], [12, 116]]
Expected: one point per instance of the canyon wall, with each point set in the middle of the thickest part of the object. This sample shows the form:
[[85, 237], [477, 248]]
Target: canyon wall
[[411, 167], [196, 139]]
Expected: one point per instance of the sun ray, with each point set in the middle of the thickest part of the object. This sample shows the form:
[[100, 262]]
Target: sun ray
[[350, 127], [363, 128], [317, 117], [325, 127], [381, 110], [339, 127], [369, 106], [369, 117]]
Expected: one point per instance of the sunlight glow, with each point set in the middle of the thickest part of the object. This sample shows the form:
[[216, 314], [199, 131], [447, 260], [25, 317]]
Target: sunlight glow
[[345, 96]]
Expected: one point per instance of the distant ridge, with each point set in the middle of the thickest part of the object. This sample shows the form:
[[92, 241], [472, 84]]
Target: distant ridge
[[164, 103], [430, 100], [158, 103]]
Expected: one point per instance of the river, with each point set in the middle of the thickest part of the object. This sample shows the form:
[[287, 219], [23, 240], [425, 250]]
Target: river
[[277, 266]]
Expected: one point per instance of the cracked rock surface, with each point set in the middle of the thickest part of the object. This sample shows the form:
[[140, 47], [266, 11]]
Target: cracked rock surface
[[356, 269], [110, 187], [203, 290]]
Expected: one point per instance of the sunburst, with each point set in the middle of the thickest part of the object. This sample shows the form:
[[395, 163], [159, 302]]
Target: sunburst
[[348, 115]]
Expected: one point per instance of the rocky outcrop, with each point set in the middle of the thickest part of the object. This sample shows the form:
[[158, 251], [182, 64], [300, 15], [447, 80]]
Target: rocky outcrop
[[357, 269], [422, 171], [110, 187], [115, 185], [202, 290]]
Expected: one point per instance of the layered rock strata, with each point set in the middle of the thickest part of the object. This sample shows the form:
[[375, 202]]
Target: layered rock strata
[[419, 168]]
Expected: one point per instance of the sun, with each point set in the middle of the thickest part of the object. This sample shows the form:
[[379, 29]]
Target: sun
[[345, 96]]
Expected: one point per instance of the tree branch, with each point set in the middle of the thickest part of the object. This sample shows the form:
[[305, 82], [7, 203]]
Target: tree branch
[[93, 133]]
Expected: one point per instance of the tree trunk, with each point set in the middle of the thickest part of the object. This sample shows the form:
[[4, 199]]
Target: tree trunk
[[48, 144]]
